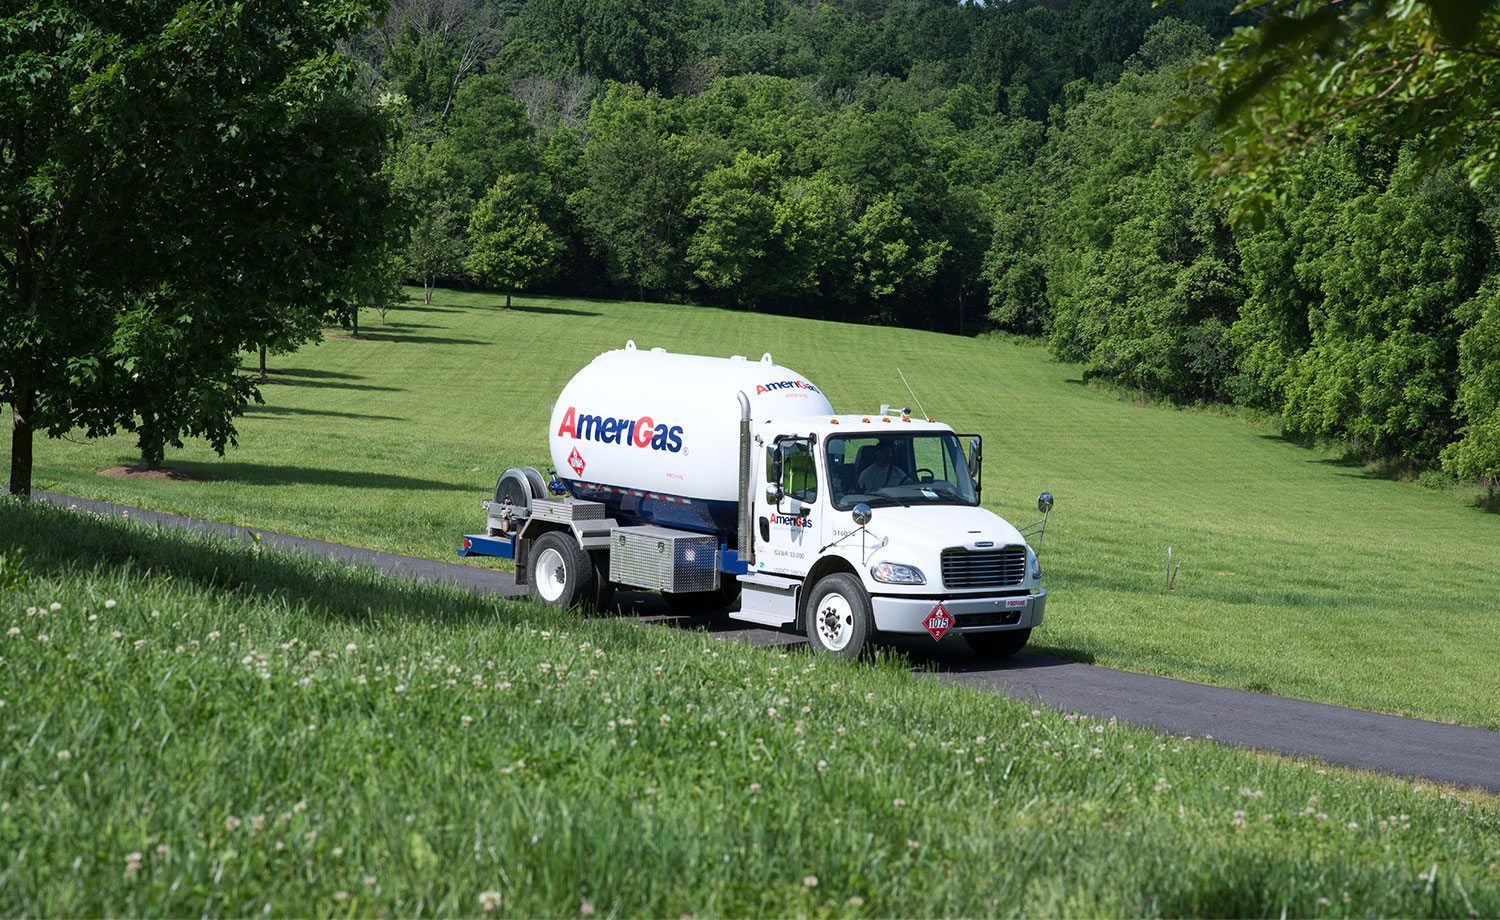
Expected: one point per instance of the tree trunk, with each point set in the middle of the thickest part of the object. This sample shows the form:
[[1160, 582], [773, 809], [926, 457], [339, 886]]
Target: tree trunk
[[21, 431], [427, 292], [263, 362], [507, 300], [355, 333]]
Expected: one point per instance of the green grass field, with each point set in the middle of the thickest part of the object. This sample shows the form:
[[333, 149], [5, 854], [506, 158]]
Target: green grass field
[[1300, 575], [198, 728]]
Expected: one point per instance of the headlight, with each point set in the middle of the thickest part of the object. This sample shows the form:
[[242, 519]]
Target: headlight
[[894, 573], [1036, 565]]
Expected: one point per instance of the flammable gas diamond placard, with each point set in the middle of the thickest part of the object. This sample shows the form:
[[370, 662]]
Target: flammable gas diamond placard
[[938, 622]]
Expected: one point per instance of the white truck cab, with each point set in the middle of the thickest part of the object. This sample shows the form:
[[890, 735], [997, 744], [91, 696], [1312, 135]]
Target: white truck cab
[[892, 501], [839, 525]]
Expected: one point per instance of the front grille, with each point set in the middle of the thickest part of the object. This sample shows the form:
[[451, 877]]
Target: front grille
[[996, 568], [1003, 618]]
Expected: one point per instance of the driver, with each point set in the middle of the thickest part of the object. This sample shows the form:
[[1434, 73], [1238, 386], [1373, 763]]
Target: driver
[[882, 472]]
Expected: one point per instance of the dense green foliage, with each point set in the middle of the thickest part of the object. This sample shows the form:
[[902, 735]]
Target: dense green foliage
[[1029, 166], [205, 728], [178, 182], [1301, 575]]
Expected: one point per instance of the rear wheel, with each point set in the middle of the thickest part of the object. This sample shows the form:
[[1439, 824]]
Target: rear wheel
[[998, 644], [725, 595], [839, 617], [604, 589], [562, 574]]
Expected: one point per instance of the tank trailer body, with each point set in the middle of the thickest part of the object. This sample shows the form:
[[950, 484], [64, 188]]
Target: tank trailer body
[[706, 478]]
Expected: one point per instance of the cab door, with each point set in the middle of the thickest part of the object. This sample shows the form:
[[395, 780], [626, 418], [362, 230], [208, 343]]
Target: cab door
[[787, 507]]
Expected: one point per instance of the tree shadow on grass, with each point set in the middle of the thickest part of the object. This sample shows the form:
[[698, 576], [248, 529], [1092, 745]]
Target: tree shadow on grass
[[555, 311], [419, 339], [335, 384], [57, 542], [268, 474], [252, 411], [312, 373]]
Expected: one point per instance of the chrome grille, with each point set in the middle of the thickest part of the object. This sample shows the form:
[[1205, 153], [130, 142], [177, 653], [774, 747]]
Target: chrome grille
[[996, 568]]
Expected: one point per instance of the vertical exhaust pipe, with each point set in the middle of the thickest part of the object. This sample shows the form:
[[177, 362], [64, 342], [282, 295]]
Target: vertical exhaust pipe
[[747, 543]]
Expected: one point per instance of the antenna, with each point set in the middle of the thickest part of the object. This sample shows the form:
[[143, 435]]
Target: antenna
[[913, 395]]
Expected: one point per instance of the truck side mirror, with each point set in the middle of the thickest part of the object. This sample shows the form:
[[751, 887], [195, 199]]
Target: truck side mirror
[[861, 514], [778, 464], [975, 457], [1044, 502], [774, 493]]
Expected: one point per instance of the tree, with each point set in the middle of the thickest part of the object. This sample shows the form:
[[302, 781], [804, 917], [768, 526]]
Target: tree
[[1412, 68], [509, 245], [434, 247], [177, 185], [641, 175]]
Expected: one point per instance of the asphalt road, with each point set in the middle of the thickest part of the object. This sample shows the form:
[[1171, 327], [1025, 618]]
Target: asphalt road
[[1437, 751]]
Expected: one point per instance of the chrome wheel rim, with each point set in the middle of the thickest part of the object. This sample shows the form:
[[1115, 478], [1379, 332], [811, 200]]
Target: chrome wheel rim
[[834, 621], [551, 575]]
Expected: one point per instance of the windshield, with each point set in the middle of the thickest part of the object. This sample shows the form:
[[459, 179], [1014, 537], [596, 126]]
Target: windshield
[[924, 469]]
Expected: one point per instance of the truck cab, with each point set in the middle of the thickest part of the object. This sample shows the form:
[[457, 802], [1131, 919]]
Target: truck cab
[[891, 504]]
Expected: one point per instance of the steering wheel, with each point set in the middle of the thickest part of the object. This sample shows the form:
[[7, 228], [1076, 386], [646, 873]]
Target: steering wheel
[[930, 476]]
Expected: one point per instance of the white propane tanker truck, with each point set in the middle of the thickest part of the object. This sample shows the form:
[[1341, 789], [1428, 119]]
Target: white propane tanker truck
[[706, 478]]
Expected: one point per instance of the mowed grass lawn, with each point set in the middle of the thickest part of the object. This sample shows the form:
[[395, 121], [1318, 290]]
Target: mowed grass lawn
[[1300, 575], [193, 728]]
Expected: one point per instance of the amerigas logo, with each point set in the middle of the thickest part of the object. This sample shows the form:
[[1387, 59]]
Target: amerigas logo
[[640, 432], [785, 385], [789, 520]]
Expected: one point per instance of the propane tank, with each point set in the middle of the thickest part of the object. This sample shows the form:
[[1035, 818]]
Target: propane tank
[[656, 436]]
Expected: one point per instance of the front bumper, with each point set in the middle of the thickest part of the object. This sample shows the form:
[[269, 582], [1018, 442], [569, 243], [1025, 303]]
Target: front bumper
[[898, 614]]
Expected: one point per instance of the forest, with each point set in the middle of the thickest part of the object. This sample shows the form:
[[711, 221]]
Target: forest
[[1033, 168], [1281, 205]]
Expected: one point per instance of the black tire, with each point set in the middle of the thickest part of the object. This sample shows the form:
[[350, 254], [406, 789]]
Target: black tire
[[694, 601], [560, 572], [604, 589], [838, 616], [998, 644]]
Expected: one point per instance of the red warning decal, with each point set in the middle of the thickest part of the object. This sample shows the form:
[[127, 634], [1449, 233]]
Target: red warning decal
[[938, 622], [575, 460]]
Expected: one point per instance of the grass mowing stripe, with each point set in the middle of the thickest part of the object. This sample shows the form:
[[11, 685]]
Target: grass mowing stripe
[[207, 728], [1301, 576]]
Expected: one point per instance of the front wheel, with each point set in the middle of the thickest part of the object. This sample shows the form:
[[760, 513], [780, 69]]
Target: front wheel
[[562, 574], [998, 644], [839, 618]]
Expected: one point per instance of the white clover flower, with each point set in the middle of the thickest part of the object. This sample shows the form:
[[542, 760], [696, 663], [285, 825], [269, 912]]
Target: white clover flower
[[64, 755], [810, 881], [231, 823], [489, 901], [109, 604], [54, 606]]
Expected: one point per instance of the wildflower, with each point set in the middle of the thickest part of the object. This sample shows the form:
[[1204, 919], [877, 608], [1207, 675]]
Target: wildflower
[[586, 909], [93, 617], [665, 719], [109, 604], [43, 638], [489, 900], [912, 844], [856, 901], [231, 823], [350, 649], [132, 864], [899, 803], [161, 851], [54, 606], [822, 766], [811, 881], [64, 755], [1239, 819], [15, 631], [1353, 825], [755, 788], [341, 895], [369, 881], [467, 721]]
